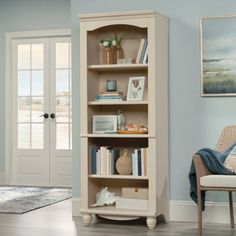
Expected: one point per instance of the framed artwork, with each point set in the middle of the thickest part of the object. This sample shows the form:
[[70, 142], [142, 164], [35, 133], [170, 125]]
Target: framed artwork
[[103, 124], [136, 88], [218, 56]]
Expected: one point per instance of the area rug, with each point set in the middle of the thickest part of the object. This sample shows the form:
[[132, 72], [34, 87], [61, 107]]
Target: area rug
[[20, 200]]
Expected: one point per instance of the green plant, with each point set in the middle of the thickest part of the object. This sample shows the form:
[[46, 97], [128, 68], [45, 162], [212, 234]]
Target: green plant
[[116, 41], [106, 42]]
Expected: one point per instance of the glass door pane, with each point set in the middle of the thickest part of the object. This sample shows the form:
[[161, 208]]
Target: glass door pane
[[63, 96], [30, 92]]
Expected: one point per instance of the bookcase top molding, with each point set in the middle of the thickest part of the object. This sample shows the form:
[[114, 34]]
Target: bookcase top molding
[[116, 15]]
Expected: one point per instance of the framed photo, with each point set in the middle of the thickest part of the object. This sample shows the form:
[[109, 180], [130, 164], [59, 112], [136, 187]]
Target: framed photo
[[136, 88], [218, 50], [104, 124]]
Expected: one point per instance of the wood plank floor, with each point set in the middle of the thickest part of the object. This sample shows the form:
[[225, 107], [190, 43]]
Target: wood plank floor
[[56, 220]]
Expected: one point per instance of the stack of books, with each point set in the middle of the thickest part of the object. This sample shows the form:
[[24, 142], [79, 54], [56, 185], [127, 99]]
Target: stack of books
[[110, 96], [139, 162], [142, 55], [103, 160]]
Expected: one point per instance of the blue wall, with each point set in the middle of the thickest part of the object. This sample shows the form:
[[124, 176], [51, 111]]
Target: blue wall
[[195, 122], [26, 15]]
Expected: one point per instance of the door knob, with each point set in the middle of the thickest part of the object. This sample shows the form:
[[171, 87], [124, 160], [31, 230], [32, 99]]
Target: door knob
[[45, 115], [53, 116]]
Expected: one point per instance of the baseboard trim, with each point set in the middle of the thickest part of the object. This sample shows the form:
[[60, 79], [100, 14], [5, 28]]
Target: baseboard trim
[[76, 206], [216, 212], [2, 178]]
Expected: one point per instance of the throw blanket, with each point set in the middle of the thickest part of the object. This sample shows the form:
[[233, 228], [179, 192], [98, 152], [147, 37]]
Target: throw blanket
[[213, 160]]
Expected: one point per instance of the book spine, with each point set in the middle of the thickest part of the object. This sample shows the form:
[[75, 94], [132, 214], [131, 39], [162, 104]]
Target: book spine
[[103, 160], [143, 51], [108, 160], [98, 169], [139, 163], [139, 51], [94, 160], [116, 155], [136, 162], [145, 54]]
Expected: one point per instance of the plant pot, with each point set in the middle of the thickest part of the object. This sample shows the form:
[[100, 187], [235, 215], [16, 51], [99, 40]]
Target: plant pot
[[108, 56], [118, 53]]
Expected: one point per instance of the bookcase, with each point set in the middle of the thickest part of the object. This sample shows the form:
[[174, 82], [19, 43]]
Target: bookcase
[[151, 111]]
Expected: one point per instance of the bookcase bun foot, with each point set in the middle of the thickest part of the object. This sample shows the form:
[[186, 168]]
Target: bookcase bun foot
[[151, 222], [87, 218]]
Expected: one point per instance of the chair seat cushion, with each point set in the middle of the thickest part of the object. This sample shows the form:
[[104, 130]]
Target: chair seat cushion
[[227, 181]]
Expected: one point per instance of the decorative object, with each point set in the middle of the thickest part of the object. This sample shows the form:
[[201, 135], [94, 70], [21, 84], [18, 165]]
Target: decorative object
[[125, 61], [108, 51], [104, 124], [120, 120], [218, 64], [135, 193], [19, 200], [124, 164], [104, 197], [133, 128], [136, 88], [118, 50], [111, 85]]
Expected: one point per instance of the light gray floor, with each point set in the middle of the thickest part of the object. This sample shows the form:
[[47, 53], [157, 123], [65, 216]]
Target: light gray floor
[[56, 220]]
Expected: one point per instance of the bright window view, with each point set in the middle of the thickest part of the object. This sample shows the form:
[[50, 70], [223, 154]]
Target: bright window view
[[31, 96]]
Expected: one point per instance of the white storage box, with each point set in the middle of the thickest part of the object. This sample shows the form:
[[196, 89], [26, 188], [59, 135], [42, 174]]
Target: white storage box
[[135, 193], [134, 204]]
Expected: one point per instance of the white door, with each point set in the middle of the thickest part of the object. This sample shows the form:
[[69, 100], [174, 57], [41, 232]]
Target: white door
[[41, 112]]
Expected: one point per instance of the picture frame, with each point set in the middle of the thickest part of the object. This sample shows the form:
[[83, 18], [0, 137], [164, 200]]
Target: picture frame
[[103, 124], [218, 49], [136, 88]]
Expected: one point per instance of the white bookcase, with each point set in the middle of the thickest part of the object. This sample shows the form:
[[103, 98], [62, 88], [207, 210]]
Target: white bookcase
[[152, 111]]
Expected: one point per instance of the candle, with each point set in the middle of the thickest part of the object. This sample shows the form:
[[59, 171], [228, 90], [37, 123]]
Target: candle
[[111, 85]]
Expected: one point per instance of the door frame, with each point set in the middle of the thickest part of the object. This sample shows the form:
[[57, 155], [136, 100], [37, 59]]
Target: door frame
[[9, 36]]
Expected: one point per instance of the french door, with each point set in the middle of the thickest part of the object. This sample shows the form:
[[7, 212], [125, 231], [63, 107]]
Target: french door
[[41, 112]]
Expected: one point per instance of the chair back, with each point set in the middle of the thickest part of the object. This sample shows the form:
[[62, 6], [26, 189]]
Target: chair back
[[227, 138]]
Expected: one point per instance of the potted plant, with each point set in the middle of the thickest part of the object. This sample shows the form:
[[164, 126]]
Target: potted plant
[[108, 51]]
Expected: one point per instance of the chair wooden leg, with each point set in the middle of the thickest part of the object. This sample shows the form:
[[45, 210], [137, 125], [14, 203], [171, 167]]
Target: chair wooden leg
[[199, 197], [231, 210]]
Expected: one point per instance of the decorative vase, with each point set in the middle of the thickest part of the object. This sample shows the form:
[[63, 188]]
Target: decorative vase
[[120, 120], [118, 53], [124, 164], [108, 55]]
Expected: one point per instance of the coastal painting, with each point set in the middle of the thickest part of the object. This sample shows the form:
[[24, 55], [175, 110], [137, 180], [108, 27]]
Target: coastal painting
[[218, 61]]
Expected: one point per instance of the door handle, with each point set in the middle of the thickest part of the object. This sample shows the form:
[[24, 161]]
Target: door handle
[[53, 116], [45, 115]]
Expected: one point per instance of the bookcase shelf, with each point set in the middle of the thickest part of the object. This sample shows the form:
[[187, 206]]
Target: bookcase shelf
[[144, 39], [97, 103], [114, 67], [129, 177]]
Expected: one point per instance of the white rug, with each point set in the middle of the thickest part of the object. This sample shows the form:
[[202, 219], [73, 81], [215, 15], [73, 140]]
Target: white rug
[[20, 200]]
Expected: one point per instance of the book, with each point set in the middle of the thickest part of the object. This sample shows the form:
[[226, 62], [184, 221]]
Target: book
[[145, 55], [111, 94], [115, 154], [144, 161], [139, 163], [103, 160], [139, 51], [98, 166], [143, 51], [93, 160]]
